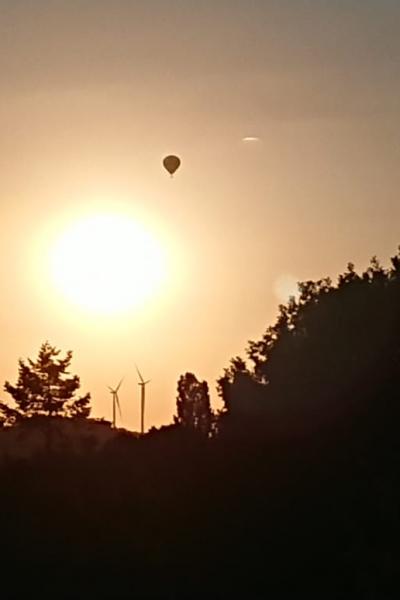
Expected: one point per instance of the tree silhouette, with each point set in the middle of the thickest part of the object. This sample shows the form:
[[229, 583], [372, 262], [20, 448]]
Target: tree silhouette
[[44, 387], [193, 404], [333, 353]]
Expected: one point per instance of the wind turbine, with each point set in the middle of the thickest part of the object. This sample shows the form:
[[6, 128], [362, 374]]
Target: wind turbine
[[142, 384], [115, 402]]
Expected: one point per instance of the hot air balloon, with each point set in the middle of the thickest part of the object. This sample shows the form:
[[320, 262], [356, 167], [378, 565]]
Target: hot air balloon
[[171, 163]]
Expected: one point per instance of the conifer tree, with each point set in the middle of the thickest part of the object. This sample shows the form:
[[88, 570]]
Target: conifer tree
[[45, 387]]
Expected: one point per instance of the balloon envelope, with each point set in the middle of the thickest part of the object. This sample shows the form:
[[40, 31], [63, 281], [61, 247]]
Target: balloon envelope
[[171, 163]]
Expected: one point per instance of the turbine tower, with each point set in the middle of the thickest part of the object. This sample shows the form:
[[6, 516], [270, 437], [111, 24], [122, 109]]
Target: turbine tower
[[115, 403], [142, 384]]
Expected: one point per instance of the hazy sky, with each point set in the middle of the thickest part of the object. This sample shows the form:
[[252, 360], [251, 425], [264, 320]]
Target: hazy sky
[[94, 93]]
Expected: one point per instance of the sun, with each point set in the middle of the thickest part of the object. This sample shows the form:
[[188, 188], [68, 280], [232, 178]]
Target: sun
[[107, 264]]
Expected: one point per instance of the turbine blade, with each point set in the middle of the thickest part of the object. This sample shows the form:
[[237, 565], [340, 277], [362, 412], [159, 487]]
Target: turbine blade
[[146, 382], [119, 385], [139, 373]]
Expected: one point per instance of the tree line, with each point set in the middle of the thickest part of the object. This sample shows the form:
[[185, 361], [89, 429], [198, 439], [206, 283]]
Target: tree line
[[331, 354]]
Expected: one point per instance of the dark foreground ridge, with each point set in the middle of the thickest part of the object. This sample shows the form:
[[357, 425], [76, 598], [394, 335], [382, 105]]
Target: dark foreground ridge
[[172, 516]]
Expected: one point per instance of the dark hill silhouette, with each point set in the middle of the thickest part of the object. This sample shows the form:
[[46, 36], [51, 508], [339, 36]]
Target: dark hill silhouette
[[40, 435]]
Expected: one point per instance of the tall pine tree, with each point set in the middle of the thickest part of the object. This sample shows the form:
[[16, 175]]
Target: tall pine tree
[[45, 387]]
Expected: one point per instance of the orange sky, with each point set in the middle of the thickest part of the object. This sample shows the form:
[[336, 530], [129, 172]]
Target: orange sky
[[95, 93]]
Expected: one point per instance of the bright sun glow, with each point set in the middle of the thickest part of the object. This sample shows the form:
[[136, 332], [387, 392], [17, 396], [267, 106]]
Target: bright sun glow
[[107, 264]]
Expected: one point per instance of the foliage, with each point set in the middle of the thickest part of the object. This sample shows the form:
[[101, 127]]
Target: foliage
[[333, 351], [44, 387], [193, 404]]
